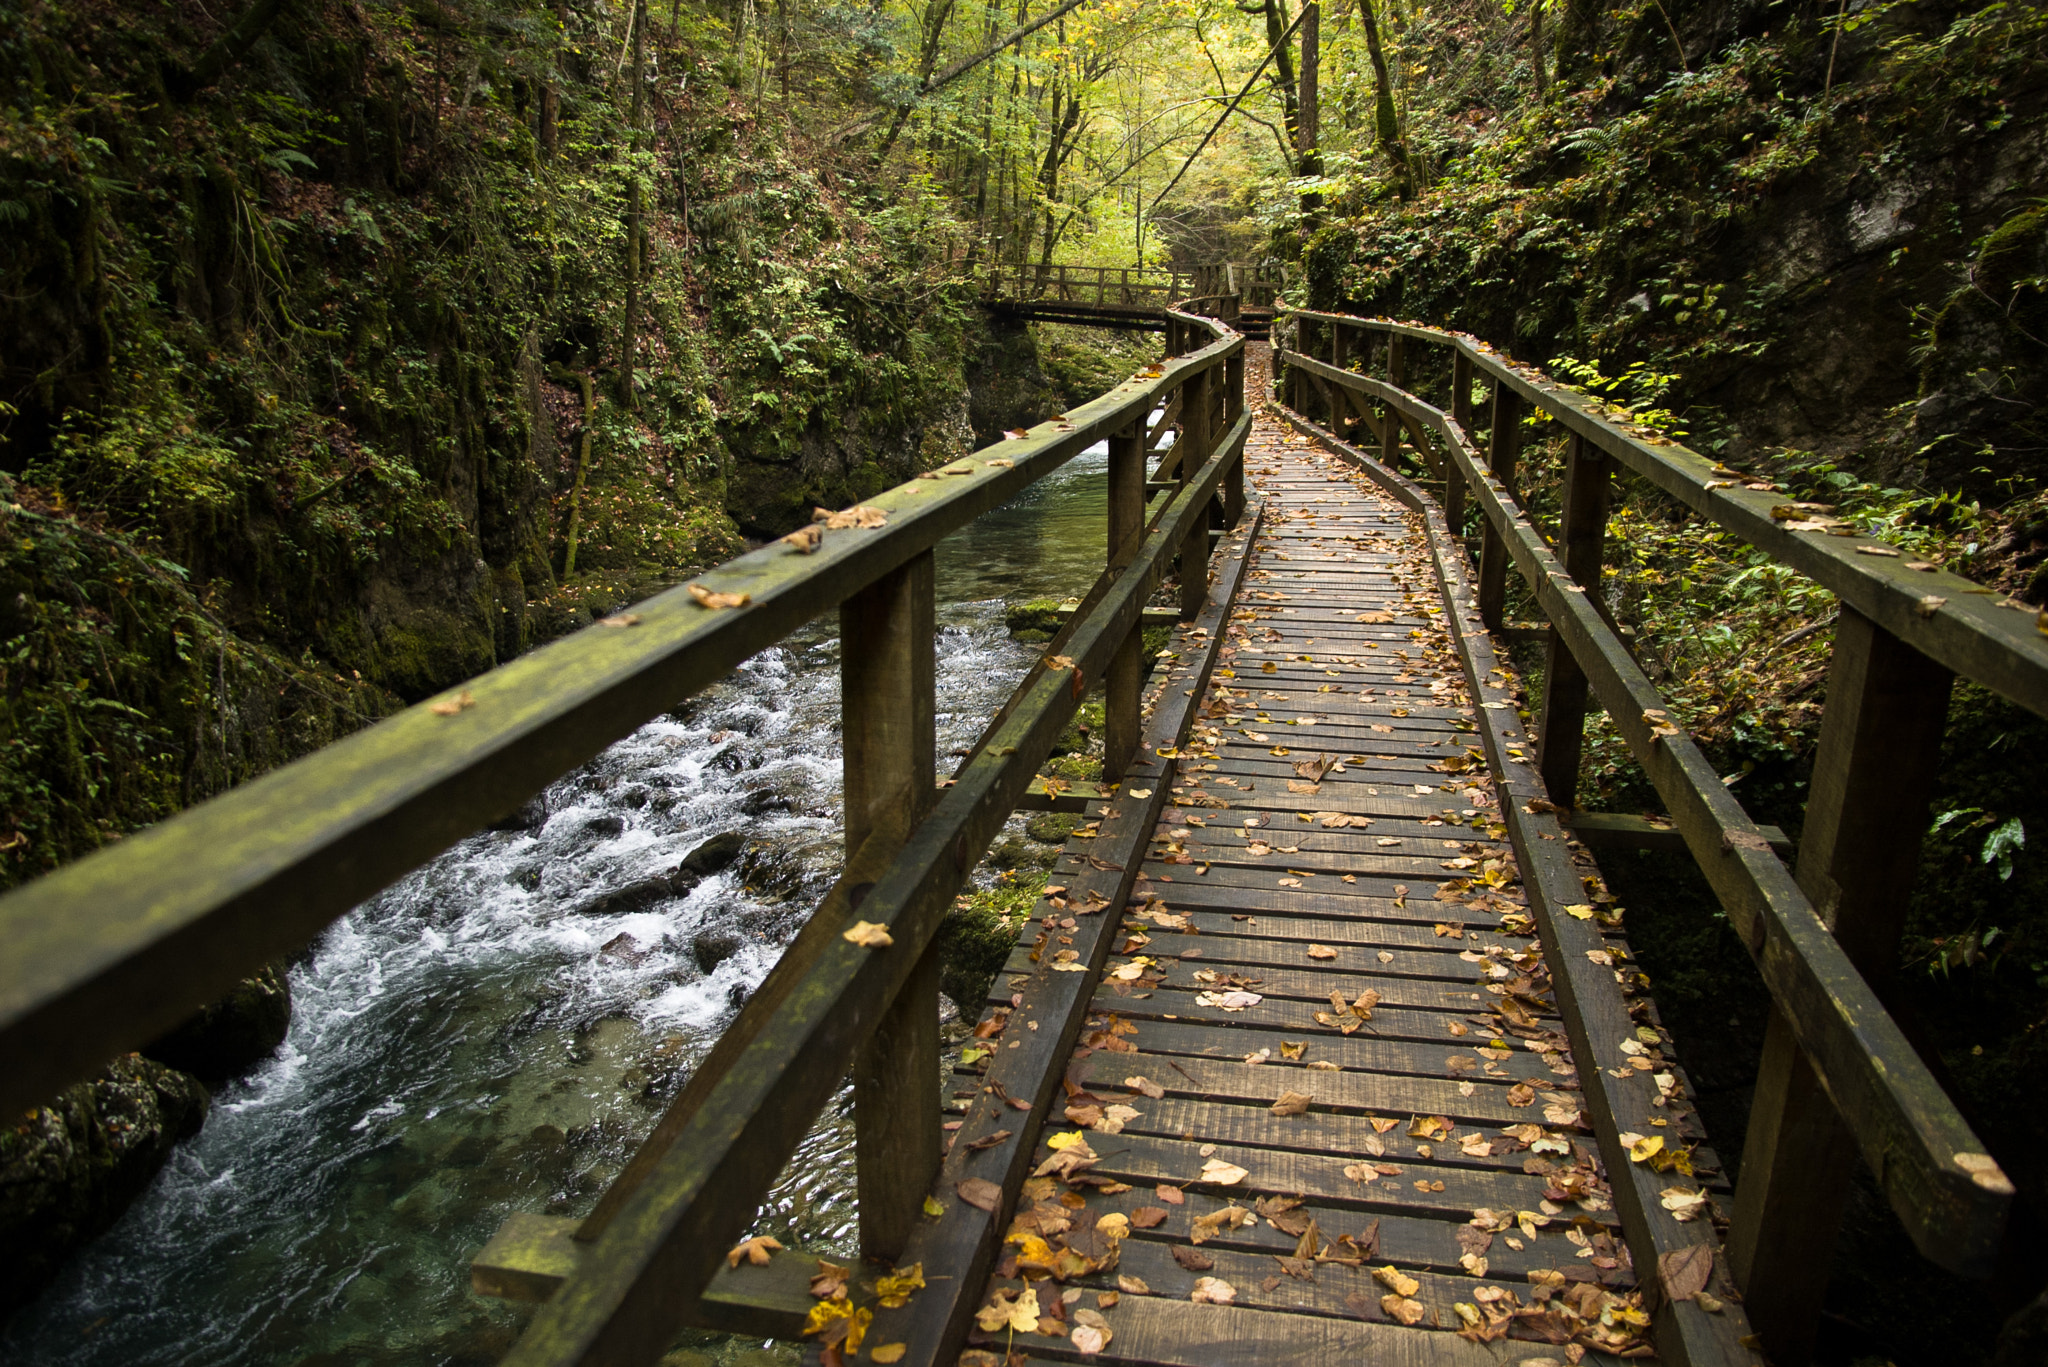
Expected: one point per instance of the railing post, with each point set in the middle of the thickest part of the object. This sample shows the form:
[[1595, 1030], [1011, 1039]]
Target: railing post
[[887, 692], [1880, 748], [1561, 732], [1233, 409], [1390, 418], [1340, 397], [1194, 550], [1506, 446], [1125, 676], [1461, 413]]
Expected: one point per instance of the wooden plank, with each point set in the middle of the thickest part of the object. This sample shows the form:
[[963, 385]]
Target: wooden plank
[[1159, 1333], [1377, 1053], [1339, 1094]]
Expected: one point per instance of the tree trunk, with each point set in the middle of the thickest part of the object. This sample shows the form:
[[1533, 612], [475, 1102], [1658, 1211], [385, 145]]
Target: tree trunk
[[1386, 121], [1283, 68], [1536, 47], [635, 213], [1578, 35]]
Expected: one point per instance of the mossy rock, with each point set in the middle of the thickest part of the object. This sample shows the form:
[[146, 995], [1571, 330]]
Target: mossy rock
[[1040, 615], [974, 939], [1052, 828], [233, 1035]]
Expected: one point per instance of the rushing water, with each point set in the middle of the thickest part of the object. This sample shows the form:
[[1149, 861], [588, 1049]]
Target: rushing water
[[489, 1036]]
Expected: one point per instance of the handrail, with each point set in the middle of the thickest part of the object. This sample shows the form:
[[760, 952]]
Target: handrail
[[105, 954], [1951, 1195]]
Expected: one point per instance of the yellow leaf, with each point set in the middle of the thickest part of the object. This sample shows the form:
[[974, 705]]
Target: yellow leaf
[[894, 1290], [715, 601], [1064, 1141], [886, 1353], [1644, 1148], [1396, 1281], [933, 1208], [868, 935]]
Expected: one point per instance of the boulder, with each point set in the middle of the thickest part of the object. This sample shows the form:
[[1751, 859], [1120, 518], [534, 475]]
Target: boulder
[[228, 1038], [715, 854], [713, 947], [68, 1169]]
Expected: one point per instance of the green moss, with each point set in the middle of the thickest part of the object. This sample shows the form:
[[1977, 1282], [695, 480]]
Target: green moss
[[977, 935]]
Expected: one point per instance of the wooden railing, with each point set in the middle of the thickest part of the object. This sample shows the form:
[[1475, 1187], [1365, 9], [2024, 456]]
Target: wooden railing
[[1138, 289], [106, 954], [1838, 1075]]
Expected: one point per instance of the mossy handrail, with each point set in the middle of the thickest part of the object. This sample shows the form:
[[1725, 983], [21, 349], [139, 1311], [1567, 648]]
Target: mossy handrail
[[1838, 1070]]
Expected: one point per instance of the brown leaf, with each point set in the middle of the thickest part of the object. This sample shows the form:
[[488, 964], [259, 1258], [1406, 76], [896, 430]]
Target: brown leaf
[[1403, 1309], [755, 1250], [715, 601], [620, 619], [980, 1193], [1146, 1086], [1134, 1286], [448, 707], [1192, 1260], [1684, 1272], [1145, 1217], [859, 516], [988, 1141], [806, 539], [1173, 1196], [1292, 1103], [1521, 1094], [1320, 952]]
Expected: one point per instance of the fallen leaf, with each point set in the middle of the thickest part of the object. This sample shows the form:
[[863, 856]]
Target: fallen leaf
[[858, 516], [1321, 952], [1173, 1196], [1147, 1217], [1222, 1174], [1521, 1094], [894, 1289], [1019, 1314], [886, 1353], [932, 1207], [1292, 1103], [1683, 1203], [1402, 1309], [868, 935], [807, 540], [1087, 1339], [1146, 1086], [448, 707], [980, 1193], [1192, 1260], [1134, 1286], [1684, 1271], [1396, 1281], [620, 619], [714, 601], [1213, 1290], [756, 1250]]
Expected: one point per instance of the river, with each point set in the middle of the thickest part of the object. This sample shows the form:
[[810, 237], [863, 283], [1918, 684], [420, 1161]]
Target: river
[[479, 1040]]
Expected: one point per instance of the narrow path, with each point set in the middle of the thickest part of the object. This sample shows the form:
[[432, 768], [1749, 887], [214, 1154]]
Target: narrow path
[[1330, 1111]]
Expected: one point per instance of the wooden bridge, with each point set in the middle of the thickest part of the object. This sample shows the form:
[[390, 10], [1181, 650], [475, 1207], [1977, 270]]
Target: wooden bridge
[[1133, 298], [1326, 1043]]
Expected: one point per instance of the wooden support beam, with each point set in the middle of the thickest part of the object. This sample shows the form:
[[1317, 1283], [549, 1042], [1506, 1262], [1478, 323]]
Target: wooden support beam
[[1880, 748], [1194, 551], [1506, 446], [1461, 413], [1560, 736], [888, 706], [1624, 831], [1128, 489]]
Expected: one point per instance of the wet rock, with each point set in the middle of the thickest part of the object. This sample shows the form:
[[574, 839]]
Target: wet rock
[[606, 825], [764, 800], [234, 1034], [624, 947], [643, 892], [69, 1169], [1052, 828], [713, 947], [715, 854], [531, 816]]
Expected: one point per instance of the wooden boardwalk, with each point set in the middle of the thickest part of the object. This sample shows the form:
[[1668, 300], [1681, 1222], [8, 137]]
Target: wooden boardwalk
[[1321, 1108]]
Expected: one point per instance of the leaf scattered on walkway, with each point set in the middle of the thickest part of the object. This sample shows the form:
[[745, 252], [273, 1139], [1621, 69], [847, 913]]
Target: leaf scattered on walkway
[[715, 601]]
